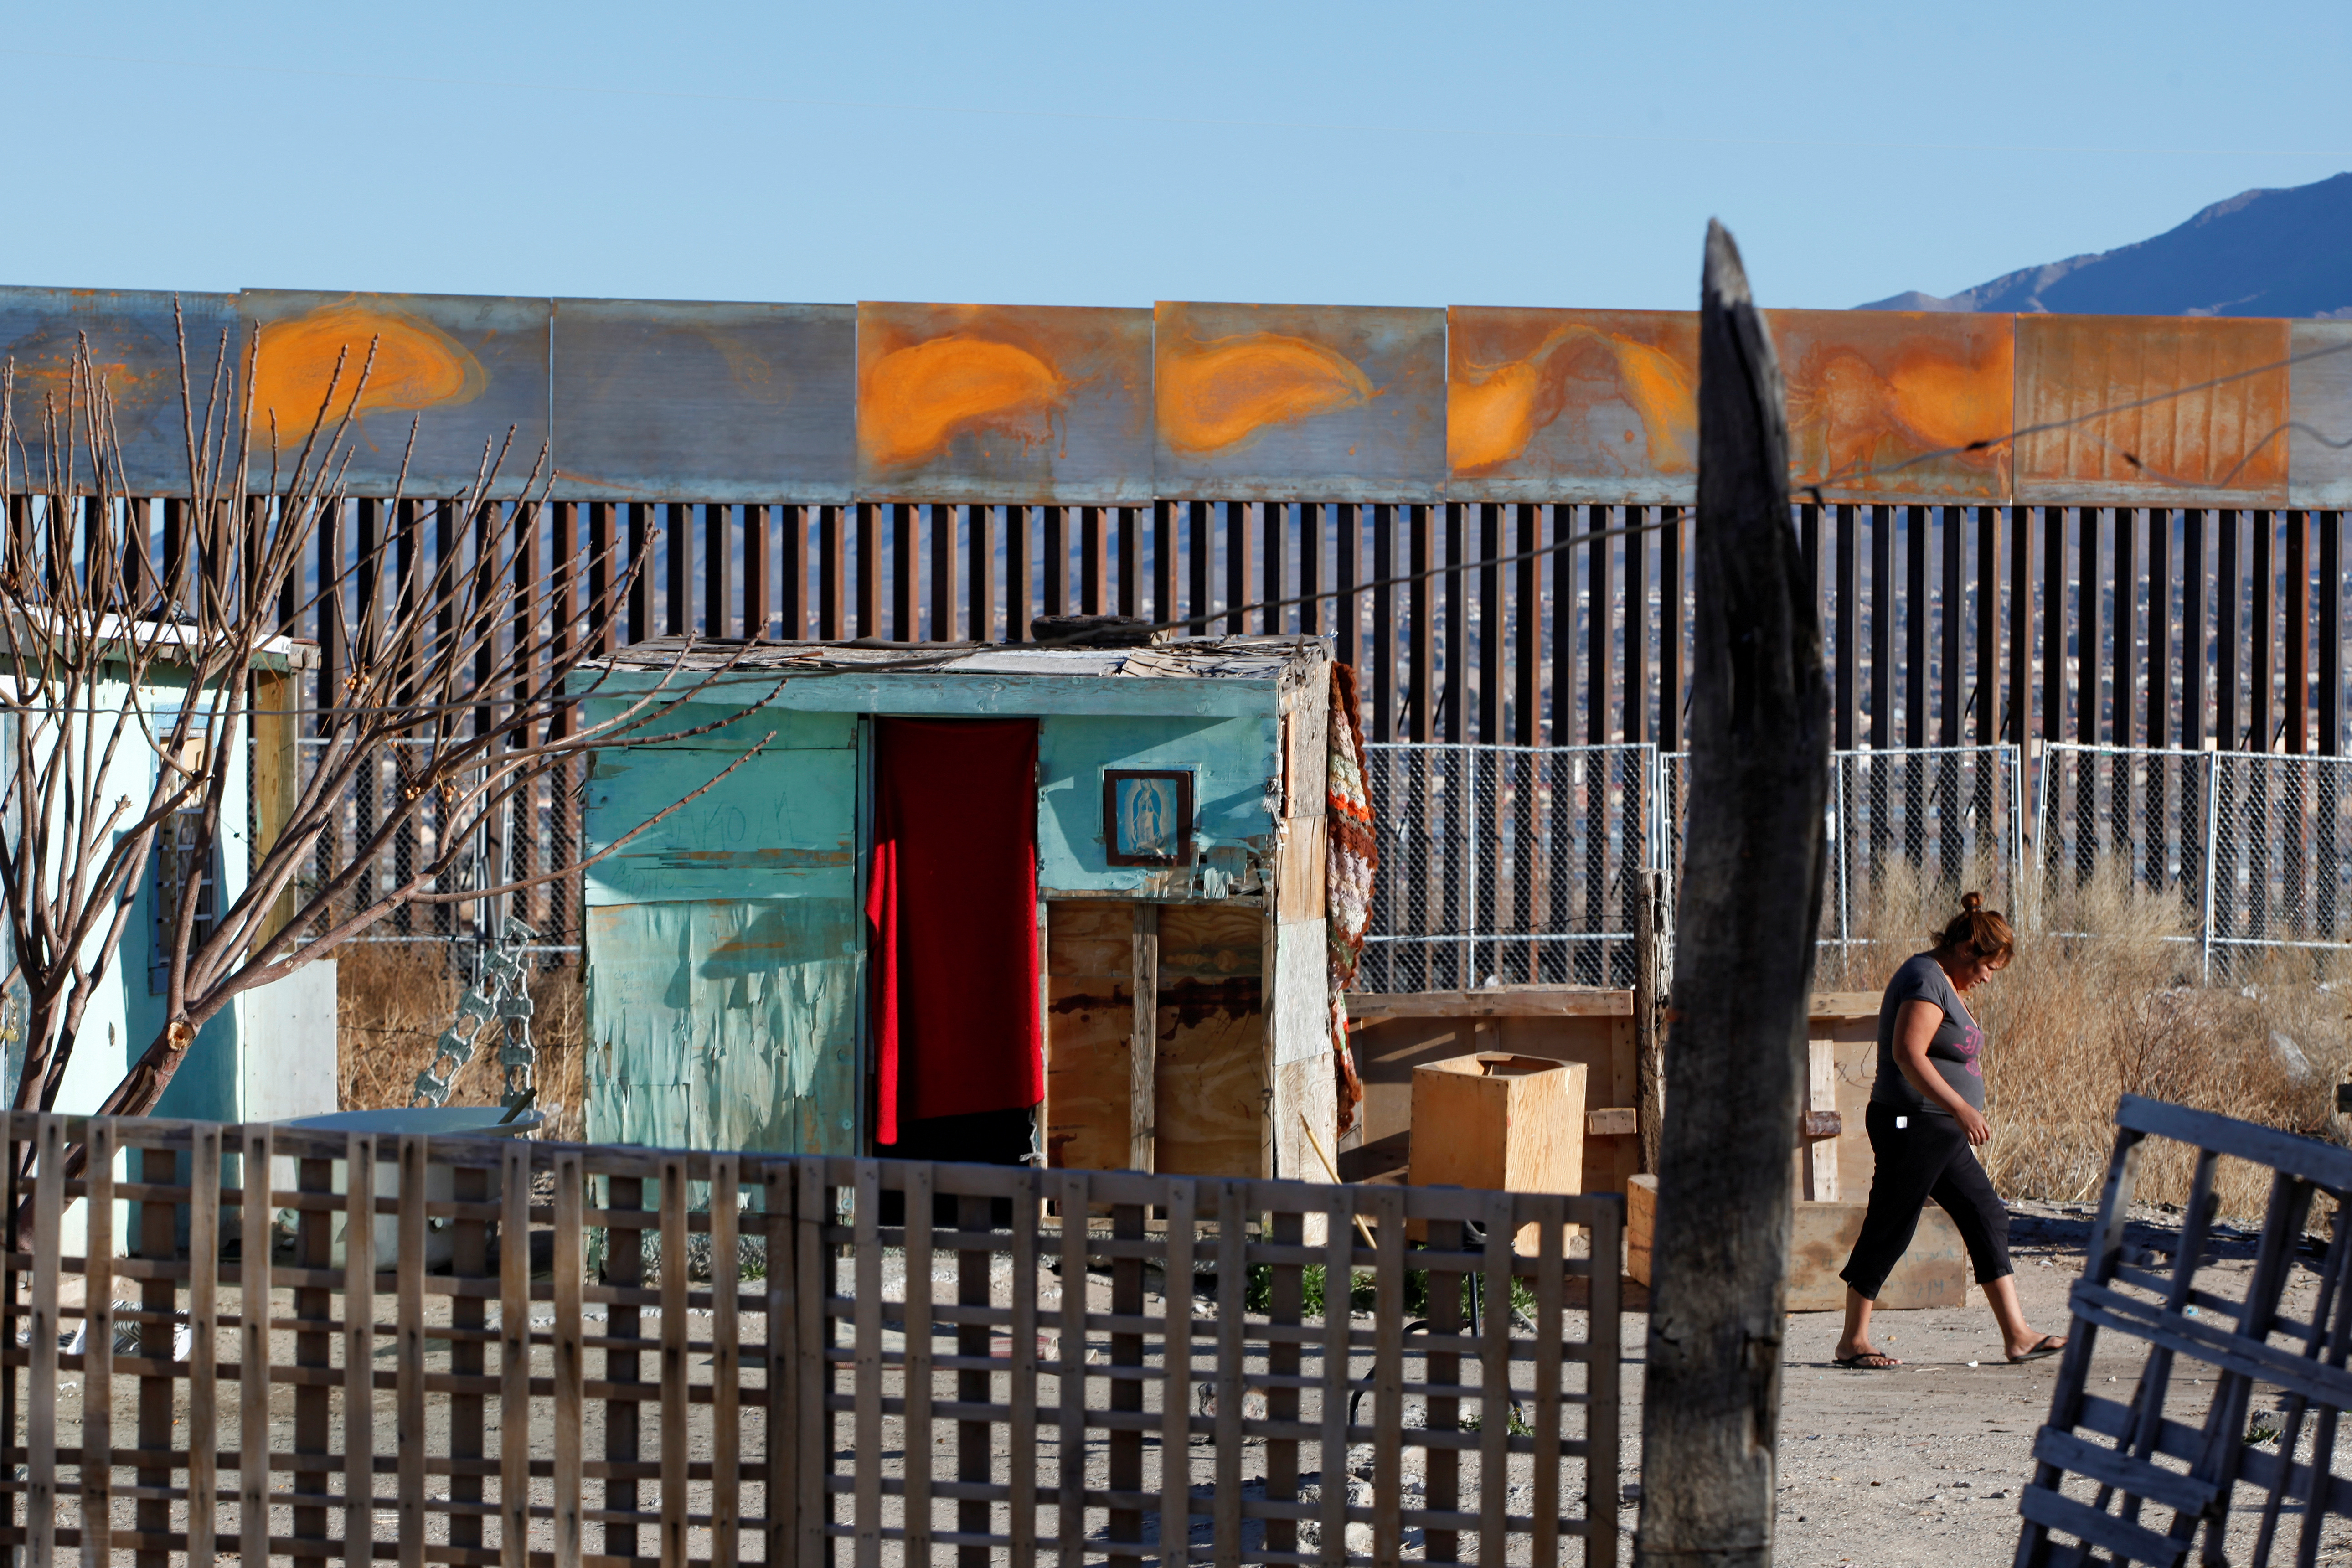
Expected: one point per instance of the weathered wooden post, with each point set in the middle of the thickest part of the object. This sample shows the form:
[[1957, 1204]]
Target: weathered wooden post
[[1749, 892], [1649, 996]]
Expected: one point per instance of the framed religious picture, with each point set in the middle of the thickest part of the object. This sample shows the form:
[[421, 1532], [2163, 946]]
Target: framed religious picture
[[1148, 817]]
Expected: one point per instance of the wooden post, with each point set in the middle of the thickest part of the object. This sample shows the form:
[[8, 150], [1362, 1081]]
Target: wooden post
[[277, 776], [1743, 965], [1143, 1041], [1649, 1018]]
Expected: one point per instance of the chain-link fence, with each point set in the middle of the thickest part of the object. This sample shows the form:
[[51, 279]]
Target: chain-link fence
[[2253, 849], [1509, 865], [504, 845], [1900, 822]]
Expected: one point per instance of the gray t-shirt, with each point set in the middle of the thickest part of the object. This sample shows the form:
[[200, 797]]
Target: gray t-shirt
[[1955, 1051]]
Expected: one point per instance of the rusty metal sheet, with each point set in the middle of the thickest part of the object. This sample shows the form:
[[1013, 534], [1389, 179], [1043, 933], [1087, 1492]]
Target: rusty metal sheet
[[1885, 403], [2319, 443], [135, 347], [1003, 402], [463, 369], [2151, 410], [683, 401], [1272, 402], [1572, 405]]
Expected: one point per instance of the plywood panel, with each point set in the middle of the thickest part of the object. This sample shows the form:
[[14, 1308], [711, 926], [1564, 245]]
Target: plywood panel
[[135, 349], [1004, 403], [1213, 1082], [2152, 410], [1572, 405], [1211, 1085], [1087, 1050], [1884, 402], [1210, 942], [1278, 401], [462, 369], [675, 400], [1090, 937]]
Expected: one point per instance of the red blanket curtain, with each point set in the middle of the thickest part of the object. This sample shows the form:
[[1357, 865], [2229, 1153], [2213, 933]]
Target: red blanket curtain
[[952, 905]]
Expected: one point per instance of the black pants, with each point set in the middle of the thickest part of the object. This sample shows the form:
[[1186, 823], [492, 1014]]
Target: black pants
[[1929, 1158]]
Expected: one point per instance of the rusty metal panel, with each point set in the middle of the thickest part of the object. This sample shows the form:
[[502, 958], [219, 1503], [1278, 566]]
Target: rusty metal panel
[[1885, 403], [1003, 402], [1272, 402], [135, 347], [2151, 410], [2319, 444], [1572, 405], [461, 368], [726, 403]]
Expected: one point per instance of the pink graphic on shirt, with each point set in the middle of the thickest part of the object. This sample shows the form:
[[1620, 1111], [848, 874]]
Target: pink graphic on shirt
[[1972, 1042]]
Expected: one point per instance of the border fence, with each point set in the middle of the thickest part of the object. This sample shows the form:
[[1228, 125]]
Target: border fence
[[2256, 848], [598, 1355]]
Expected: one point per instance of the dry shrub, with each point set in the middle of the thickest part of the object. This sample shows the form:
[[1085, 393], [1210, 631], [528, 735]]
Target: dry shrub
[[2104, 999], [393, 999]]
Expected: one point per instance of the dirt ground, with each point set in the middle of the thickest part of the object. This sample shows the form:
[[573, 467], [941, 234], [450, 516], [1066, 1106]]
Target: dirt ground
[[1922, 1464]]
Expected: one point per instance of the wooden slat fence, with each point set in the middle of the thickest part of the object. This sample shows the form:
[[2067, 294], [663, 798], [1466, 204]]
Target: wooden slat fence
[[519, 1353]]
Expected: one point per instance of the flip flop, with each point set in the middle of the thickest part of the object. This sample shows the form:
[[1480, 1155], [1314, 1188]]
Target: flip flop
[[2048, 1344], [1868, 1361]]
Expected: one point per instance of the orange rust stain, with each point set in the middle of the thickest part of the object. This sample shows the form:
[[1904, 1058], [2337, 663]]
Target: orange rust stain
[[1215, 393], [417, 365], [915, 399], [1927, 398], [1493, 411]]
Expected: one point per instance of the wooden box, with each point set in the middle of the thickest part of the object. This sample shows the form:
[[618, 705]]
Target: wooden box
[[1933, 1273], [1501, 1121]]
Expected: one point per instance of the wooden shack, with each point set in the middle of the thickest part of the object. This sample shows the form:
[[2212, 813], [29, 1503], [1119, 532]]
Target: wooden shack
[[1165, 803]]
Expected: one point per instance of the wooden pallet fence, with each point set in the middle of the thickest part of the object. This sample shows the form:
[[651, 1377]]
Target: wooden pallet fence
[[2138, 1480], [526, 1354]]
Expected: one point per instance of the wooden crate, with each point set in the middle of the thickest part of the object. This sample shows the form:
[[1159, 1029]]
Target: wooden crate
[[1933, 1273], [1494, 1119], [1395, 1034]]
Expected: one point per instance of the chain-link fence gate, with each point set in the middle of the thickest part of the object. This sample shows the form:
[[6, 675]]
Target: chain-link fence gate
[[2252, 846], [1508, 865]]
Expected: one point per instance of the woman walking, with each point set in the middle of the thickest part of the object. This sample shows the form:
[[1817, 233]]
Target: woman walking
[[1925, 1120]]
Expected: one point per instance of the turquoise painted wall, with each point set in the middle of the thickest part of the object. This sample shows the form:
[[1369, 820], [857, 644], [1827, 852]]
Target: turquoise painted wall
[[726, 944], [1232, 761]]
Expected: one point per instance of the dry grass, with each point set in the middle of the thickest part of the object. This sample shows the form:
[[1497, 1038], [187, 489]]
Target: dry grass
[[393, 999], [2077, 1021]]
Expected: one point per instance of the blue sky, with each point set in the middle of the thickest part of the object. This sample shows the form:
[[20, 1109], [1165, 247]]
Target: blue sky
[[1365, 153]]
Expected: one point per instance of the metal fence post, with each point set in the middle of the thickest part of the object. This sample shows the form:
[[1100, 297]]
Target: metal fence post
[[2212, 838]]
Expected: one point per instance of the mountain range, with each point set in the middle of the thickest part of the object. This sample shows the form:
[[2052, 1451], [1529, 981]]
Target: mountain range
[[2260, 253]]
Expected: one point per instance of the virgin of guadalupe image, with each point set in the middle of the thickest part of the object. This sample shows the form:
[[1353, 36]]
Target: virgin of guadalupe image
[[1145, 826]]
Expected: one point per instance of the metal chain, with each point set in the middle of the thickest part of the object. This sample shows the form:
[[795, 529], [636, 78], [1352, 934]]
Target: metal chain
[[497, 1001]]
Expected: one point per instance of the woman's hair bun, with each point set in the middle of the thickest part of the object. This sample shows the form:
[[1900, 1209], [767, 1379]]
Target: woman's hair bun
[[1971, 903]]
